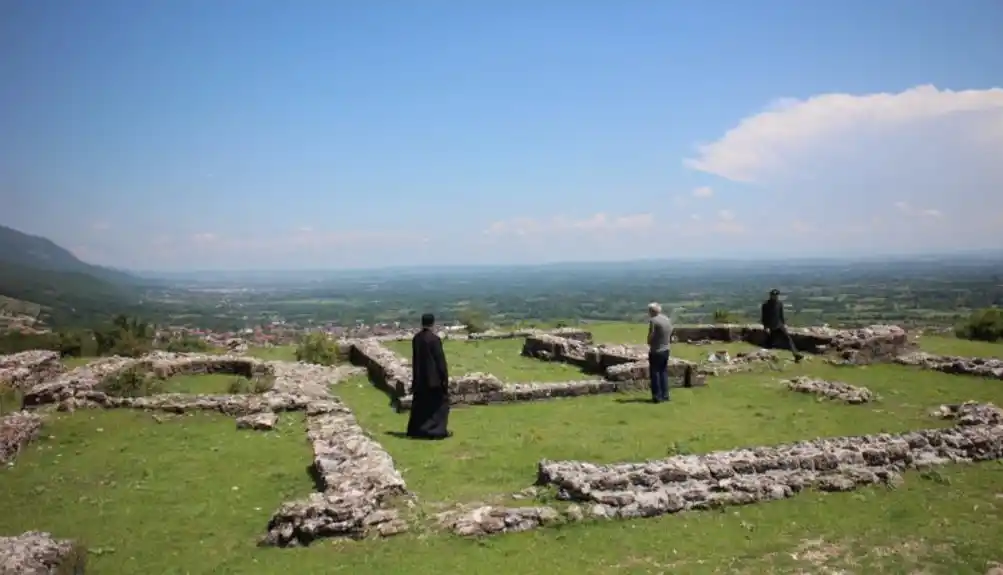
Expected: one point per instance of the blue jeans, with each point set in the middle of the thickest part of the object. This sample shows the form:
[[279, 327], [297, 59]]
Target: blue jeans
[[658, 368]]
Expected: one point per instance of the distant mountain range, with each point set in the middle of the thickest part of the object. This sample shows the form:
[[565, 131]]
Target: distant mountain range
[[36, 270]]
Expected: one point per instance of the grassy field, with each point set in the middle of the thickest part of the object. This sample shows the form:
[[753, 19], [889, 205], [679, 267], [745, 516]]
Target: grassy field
[[215, 383], [500, 357], [275, 353], [192, 494]]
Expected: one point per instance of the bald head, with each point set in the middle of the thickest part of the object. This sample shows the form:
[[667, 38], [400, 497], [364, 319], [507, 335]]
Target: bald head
[[654, 309]]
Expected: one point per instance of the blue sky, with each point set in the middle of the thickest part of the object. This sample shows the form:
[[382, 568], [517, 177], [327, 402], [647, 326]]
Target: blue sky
[[226, 134]]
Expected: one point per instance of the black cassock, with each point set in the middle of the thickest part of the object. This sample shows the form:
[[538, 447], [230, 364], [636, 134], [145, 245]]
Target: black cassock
[[430, 388]]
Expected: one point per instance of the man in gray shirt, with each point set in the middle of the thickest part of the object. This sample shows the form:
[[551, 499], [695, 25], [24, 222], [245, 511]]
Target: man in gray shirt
[[659, 337]]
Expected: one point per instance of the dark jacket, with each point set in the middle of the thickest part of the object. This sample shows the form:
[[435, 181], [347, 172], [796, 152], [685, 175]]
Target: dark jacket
[[428, 362], [772, 314]]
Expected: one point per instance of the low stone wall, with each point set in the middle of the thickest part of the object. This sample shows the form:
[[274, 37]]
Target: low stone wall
[[744, 476], [236, 405], [593, 359], [82, 379], [564, 332], [28, 368], [359, 483], [17, 430], [493, 520], [165, 365], [682, 373], [859, 345], [38, 553], [831, 390], [387, 371], [516, 392], [955, 365]]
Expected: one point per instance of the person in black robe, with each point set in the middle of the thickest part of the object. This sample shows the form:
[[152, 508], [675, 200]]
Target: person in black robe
[[772, 317], [429, 417]]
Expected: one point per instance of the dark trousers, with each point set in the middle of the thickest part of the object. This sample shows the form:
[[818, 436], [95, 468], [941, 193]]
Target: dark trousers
[[658, 369], [780, 336]]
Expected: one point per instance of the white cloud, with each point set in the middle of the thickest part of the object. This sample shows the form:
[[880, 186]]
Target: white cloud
[[100, 226], [204, 238], [765, 142], [703, 192], [726, 215], [600, 222], [838, 159]]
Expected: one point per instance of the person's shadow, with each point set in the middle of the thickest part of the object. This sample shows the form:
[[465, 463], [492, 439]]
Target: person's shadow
[[397, 434], [632, 400]]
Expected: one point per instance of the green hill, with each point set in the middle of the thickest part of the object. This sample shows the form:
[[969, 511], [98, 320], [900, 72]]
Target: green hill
[[36, 270], [26, 250]]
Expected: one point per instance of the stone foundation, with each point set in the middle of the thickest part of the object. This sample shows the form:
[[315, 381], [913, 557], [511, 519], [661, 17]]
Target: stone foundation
[[743, 476], [37, 553], [359, 483], [564, 332], [389, 372], [17, 430], [28, 368], [861, 345], [955, 365], [516, 392], [493, 520], [831, 390]]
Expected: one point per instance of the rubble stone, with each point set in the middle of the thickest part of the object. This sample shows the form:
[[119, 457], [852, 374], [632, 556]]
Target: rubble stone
[[971, 413], [743, 476], [831, 389], [264, 421], [28, 368], [536, 391], [955, 365], [493, 520], [17, 430], [359, 479], [38, 553]]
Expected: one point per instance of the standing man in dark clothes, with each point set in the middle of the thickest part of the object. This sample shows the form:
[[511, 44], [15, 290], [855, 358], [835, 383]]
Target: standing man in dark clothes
[[659, 338], [429, 417], [776, 327]]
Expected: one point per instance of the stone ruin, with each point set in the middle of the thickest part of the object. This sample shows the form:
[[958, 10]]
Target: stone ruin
[[37, 553], [357, 475], [974, 366], [360, 490], [831, 390], [27, 368], [861, 345], [743, 476]]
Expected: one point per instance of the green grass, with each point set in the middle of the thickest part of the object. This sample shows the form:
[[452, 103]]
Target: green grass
[[500, 357], [192, 494], [214, 383], [949, 345], [10, 400], [74, 362], [275, 353]]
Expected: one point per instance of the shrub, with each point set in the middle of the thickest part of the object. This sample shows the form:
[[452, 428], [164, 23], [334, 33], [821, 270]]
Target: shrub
[[257, 384], [188, 345], [473, 320], [983, 325], [318, 348], [132, 382]]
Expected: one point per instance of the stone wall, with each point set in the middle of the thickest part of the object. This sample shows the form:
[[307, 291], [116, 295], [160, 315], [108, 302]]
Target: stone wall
[[28, 368], [860, 345], [17, 430], [831, 390], [975, 366], [84, 382], [744, 476], [37, 553], [387, 371], [563, 332], [594, 359], [515, 392], [358, 479]]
